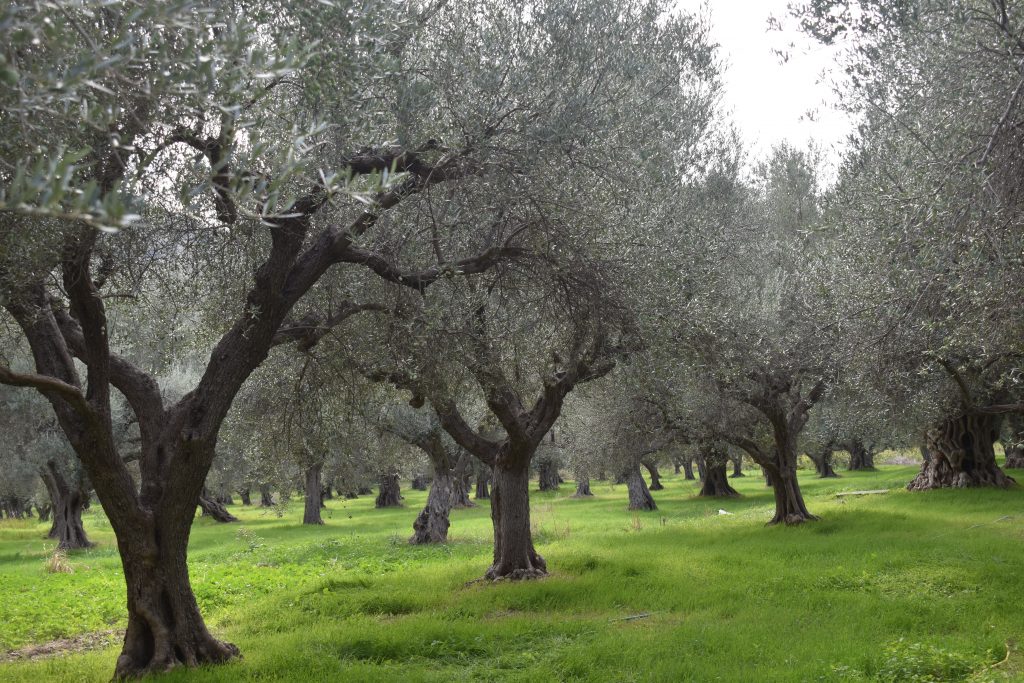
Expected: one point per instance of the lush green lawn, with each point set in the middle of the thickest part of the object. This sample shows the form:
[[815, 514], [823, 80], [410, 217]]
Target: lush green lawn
[[885, 587]]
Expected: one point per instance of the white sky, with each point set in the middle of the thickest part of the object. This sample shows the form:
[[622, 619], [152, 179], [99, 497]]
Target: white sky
[[773, 101]]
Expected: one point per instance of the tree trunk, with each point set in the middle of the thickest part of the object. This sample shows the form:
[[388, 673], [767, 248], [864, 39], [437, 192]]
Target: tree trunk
[[716, 483], [431, 525], [390, 495], [737, 467], [789, 500], [245, 495], [861, 457], [314, 493], [266, 498], [364, 490], [548, 474], [419, 483], [1014, 445], [652, 467], [165, 628], [675, 467], [461, 481], [582, 486], [212, 508], [483, 479], [514, 554], [688, 468], [44, 512], [67, 502], [962, 455], [701, 467], [823, 463], [639, 495]]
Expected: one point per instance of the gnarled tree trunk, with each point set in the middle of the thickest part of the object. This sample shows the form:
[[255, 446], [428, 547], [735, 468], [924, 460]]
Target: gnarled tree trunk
[[213, 508], [688, 468], [245, 495], [737, 467], [483, 480], [390, 494], [514, 554], [962, 455], [419, 482], [314, 495], [1014, 445], [823, 463], [861, 457], [716, 483], [431, 525], [68, 502], [789, 500], [582, 486], [639, 495], [652, 467], [547, 473], [266, 498], [462, 478]]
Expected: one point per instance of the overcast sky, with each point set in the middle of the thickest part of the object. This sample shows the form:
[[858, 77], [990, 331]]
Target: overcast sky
[[773, 101]]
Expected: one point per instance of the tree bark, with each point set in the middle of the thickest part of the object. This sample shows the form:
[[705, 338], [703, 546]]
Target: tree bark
[[245, 495], [44, 512], [688, 468], [390, 495], [68, 502], [547, 473], [431, 525], [419, 482], [314, 495], [266, 498], [737, 467], [652, 467], [789, 500], [823, 463], [483, 479], [1014, 445], [701, 468], [639, 495], [213, 508], [861, 457], [514, 554], [582, 486], [962, 455], [716, 483], [462, 478]]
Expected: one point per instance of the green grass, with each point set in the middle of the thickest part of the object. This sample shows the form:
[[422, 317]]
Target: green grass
[[895, 587]]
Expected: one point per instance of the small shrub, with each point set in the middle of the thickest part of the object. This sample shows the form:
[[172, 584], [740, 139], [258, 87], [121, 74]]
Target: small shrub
[[57, 563]]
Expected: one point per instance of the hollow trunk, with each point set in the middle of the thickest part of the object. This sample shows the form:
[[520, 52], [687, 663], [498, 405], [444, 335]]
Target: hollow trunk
[[962, 455], [165, 628], [213, 508], [419, 483], [861, 457], [582, 486], [483, 479], [314, 493], [245, 495], [639, 495], [390, 494], [716, 483], [431, 525], [688, 468], [266, 499], [823, 463], [548, 474], [737, 467], [652, 468], [514, 554]]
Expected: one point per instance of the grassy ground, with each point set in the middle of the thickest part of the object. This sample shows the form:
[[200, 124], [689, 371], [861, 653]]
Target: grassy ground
[[895, 587]]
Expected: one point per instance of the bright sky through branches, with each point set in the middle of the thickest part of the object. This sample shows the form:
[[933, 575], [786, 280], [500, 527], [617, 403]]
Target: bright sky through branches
[[773, 100]]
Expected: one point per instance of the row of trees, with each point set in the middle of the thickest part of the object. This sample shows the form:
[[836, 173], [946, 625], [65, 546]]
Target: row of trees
[[316, 237]]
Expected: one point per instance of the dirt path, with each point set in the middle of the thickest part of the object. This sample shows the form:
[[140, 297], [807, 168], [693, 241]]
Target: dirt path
[[53, 648]]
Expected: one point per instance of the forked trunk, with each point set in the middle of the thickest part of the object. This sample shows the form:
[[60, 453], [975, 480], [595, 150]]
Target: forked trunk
[[266, 498], [716, 483], [639, 495], [547, 473], [431, 525], [165, 628], [962, 455], [483, 480], [652, 467], [514, 555], [390, 494], [314, 495], [582, 486]]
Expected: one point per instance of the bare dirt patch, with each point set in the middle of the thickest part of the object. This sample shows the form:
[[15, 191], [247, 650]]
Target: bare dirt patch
[[61, 646]]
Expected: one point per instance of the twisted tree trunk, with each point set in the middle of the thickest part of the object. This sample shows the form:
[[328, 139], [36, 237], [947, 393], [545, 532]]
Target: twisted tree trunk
[[514, 554], [1014, 445], [962, 455], [639, 495], [861, 457], [652, 468], [823, 463], [314, 495], [213, 508], [431, 525], [582, 486], [68, 502], [245, 495], [266, 498], [716, 483], [390, 494]]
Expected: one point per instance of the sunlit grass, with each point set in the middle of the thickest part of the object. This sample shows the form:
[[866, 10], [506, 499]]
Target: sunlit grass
[[883, 584]]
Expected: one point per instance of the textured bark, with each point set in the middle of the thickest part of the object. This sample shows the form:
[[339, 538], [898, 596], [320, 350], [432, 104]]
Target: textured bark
[[737, 467], [861, 457], [43, 511], [962, 455], [547, 474], [688, 468], [266, 498], [716, 483], [431, 525], [483, 480], [314, 495], [363, 490], [213, 508], [245, 495], [419, 482], [789, 500], [823, 462], [652, 468], [639, 495], [390, 494], [702, 468], [514, 554], [582, 486], [1013, 446], [462, 479], [67, 501]]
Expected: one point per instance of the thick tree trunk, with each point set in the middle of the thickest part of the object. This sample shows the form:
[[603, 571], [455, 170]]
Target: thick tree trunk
[[165, 628], [547, 473], [861, 457], [688, 468], [245, 495], [737, 467], [702, 468], [419, 482], [514, 554], [43, 511], [639, 495], [314, 493], [462, 478], [483, 480], [823, 463], [67, 502], [266, 498], [675, 467], [652, 467], [390, 494], [716, 483], [364, 490], [1014, 445], [431, 525], [582, 486], [212, 508], [789, 500], [962, 455]]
